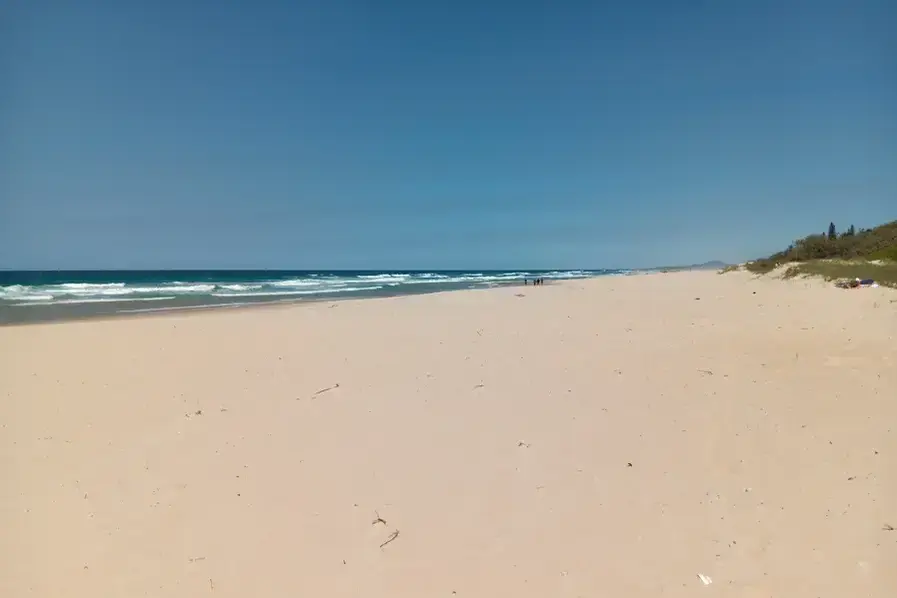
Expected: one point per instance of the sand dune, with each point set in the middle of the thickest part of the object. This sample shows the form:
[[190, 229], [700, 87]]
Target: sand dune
[[608, 437]]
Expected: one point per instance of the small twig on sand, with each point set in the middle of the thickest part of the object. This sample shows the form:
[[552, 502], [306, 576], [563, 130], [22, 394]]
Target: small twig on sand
[[523, 444], [197, 558], [391, 537], [479, 386], [708, 372], [888, 528], [323, 390], [211, 585], [378, 519]]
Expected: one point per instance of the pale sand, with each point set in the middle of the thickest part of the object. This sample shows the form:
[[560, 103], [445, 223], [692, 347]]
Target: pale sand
[[494, 432]]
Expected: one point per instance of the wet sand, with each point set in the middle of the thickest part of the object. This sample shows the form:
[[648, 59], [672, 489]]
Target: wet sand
[[608, 437]]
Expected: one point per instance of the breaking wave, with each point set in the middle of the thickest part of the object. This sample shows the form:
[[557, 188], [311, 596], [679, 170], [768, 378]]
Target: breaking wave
[[23, 289]]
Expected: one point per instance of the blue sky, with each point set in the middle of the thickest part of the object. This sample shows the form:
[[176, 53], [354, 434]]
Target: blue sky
[[465, 134]]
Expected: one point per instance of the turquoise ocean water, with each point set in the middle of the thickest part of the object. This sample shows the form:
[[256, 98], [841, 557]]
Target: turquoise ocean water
[[34, 296]]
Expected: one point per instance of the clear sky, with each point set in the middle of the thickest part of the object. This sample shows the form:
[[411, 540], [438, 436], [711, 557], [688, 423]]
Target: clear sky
[[419, 134]]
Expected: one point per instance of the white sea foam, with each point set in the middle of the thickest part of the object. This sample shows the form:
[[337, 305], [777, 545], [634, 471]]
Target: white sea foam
[[91, 300], [478, 278], [76, 291], [240, 287], [311, 284], [305, 292], [91, 285], [384, 278], [297, 282], [17, 291], [179, 288]]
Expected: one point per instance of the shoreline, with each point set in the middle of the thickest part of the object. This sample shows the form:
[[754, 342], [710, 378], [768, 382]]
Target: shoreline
[[247, 305], [49, 296]]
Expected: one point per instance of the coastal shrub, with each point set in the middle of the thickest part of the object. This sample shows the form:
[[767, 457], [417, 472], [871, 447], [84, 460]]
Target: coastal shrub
[[875, 243]]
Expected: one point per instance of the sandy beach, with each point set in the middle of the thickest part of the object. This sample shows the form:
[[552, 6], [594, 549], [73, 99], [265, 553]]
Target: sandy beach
[[618, 436]]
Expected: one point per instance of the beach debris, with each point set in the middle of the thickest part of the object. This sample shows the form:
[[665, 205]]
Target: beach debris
[[478, 386], [519, 295], [378, 519], [328, 389], [705, 579], [851, 478], [197, 412], [629, 464], [196, 559], [391, 538], [523, 444], [857, 283], [211, 585], [888, 527], [706, 372]]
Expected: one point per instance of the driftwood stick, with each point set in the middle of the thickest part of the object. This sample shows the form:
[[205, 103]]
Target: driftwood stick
[[328, 389], [391, 537]]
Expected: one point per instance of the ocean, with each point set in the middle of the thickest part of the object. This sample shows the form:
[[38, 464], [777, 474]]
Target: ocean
[[37, 296]]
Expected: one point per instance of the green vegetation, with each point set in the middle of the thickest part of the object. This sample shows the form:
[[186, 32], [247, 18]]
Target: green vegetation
[[848, 253], [884, 273]]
